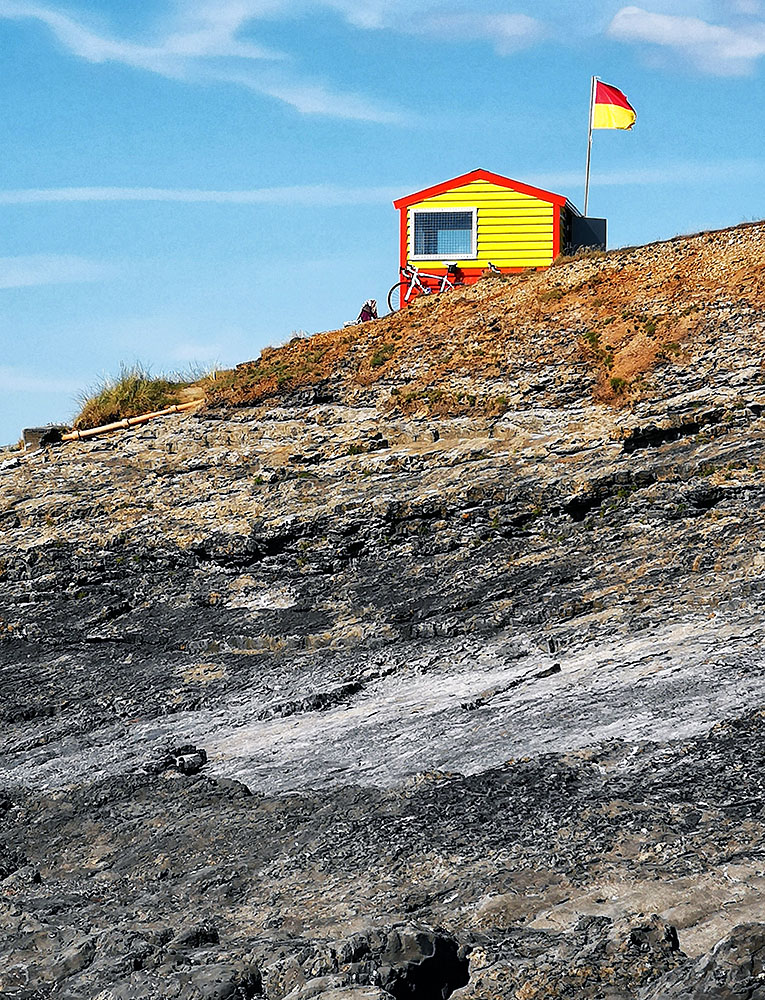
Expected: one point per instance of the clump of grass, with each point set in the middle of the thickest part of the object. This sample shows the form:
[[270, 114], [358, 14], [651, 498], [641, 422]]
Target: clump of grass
[[619, 385], [592, 338], [667, 350], [605, 355], [382, 355], [553, 295], [131, 393]]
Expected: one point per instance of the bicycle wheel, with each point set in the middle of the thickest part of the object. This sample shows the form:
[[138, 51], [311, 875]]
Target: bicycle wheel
[[396, 295]]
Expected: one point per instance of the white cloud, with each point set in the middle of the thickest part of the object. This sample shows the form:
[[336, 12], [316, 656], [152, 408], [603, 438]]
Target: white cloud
[[447, 21], [44, 269], [507, 32], [204, 45], [310, 195], [333, 195], [170, 56], [670, 173], [315, 99], [312, 98], [453, 22], [713, 48], [204, 41], [13, 380]]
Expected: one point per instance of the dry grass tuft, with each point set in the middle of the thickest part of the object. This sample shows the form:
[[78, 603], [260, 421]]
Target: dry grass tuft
[[133, 392]]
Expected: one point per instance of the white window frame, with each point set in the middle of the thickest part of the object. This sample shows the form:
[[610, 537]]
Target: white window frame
[[432, 211]]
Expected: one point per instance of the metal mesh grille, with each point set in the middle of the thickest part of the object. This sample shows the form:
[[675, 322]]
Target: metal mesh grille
[[443, 234]]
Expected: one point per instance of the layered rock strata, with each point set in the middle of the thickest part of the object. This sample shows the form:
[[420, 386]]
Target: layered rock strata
[[329, 695]]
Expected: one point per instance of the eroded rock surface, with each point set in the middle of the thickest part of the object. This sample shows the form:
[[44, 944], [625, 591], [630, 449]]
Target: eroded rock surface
[[320, 697]]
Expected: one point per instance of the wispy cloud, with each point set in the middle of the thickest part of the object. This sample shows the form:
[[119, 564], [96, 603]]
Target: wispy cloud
[[691, 172], [198, 37], [454, 22], [44, 269], [310, 195], [14, 380], [314, 98], [506, 32], [712, 48], [206, 40], [205, 45], [332, 195]]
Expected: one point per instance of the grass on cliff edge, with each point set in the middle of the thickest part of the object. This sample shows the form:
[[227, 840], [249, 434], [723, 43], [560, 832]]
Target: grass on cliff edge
[[131, 393]]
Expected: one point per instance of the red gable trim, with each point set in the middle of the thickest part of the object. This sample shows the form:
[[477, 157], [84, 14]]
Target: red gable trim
[[479, 175]]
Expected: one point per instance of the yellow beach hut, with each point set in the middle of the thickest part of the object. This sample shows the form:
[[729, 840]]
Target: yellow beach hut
[[481, 218]]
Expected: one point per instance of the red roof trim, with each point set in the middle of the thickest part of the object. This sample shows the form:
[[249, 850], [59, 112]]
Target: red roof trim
[[479, 175]]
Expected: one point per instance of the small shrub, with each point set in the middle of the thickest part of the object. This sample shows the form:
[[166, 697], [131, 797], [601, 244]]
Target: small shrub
[[553, 295], [619, 385], [356, 449], [592, 338], [381, 355], [604, 354], [672, 349]]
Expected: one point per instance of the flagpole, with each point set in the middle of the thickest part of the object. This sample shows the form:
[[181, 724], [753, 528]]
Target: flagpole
[[593, 81]]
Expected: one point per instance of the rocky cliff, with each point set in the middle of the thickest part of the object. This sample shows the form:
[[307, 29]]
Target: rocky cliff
[[425, 660]]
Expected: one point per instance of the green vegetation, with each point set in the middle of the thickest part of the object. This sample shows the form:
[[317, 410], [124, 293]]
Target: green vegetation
[[381, 355], [592, 337], [603, 354], [619, 385], [667, 350], [133, 392], [553, 295]]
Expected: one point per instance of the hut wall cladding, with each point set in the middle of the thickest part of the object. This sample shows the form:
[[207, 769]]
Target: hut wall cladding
[[514, 229]]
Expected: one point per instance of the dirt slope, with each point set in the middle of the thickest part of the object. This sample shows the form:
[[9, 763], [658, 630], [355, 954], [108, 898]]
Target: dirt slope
[[625, 313]]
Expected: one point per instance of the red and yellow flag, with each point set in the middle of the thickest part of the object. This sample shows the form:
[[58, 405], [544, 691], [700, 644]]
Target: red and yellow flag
[[611, 109]]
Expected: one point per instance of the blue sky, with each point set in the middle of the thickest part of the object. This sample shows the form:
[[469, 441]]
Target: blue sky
[[186, 181]]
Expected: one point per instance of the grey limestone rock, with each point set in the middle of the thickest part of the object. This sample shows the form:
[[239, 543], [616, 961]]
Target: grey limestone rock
[[345, 693]]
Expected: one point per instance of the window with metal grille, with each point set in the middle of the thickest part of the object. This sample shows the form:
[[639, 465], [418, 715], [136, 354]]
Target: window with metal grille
[[445, 234]]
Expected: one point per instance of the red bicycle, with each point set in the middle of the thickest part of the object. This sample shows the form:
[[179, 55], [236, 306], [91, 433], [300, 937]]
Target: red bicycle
[[403, 292]]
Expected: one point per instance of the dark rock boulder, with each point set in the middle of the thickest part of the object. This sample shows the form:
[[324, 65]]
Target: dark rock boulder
[[186, 759], [733, 970]]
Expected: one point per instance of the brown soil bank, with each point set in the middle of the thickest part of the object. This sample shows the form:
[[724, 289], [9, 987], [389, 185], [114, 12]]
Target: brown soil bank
[[625, 312]]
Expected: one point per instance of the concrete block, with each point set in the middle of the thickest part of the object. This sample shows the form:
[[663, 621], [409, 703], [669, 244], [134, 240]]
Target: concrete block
[[36, 437]]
